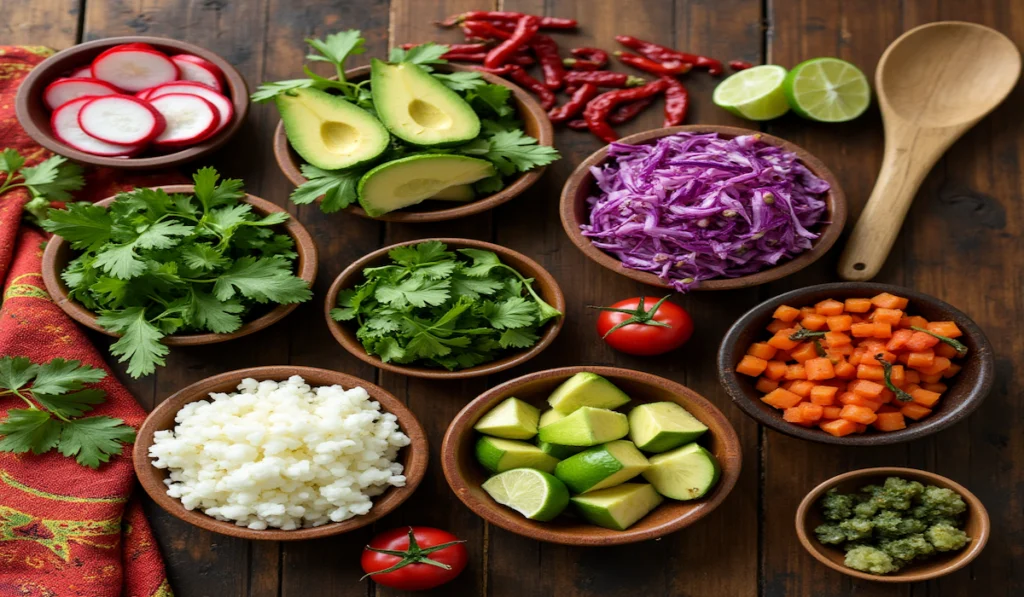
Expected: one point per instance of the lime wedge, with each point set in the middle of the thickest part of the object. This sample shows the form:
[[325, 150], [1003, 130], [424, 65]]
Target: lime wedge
[[534, 494], [754, 94], [827, 90]]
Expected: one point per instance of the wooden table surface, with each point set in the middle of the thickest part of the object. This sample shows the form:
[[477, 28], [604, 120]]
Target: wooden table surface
[[962, 242]]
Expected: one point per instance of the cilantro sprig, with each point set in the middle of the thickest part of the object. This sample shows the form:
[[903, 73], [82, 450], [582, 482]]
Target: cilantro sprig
[[56, 397], [333, 49], [449, 309], [155, 264], [51, 180]]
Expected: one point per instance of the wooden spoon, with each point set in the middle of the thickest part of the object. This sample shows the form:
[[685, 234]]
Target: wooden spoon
[[933, 84]]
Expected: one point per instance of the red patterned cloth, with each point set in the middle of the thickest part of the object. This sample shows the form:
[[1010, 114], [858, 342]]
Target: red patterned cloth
[[65, 530]]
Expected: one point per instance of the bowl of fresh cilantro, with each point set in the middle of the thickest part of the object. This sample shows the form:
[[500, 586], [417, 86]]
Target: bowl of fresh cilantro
[[445, 308], [515, 136], [178, 265]]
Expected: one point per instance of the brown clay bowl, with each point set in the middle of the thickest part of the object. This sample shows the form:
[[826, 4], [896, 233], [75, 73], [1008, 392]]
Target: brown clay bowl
[[535, 123], [413, 456], [976, 525], [966, 390], [34, 116], [465, 475], [58, 253], [581, 185], [544, 283]]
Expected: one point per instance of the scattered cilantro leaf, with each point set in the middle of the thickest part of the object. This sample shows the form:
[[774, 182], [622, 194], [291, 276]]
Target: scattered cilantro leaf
[[334, 49], [512, 151], [29, 429], [50, 180], [337, 187], [268, 91], [422, 55], [93, 440], [461, 80], [491, 97], [60, 376]]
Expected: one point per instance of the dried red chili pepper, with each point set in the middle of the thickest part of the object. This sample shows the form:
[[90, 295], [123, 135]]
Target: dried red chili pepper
[[546, 50], [501, 71], [661, 53], [526, 28], [483, 30], [623, 113], [597, 111], [653, 67], [578, 124], [677, 102], [506, 16], [474, 57], [595, 55], [457, 48], [575, 105], [580, 64], [602, 78], [547, 97], [738, 65]]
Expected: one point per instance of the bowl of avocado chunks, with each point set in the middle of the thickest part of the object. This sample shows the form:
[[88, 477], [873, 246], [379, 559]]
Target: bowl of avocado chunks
[[410, 139], [591, 456]]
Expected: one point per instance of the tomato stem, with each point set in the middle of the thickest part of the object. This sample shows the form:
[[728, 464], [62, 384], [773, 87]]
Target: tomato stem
[[413, 555], [639, 315]]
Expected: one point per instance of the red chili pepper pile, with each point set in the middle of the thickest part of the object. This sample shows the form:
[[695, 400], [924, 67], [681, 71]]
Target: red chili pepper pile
[[503, 42]]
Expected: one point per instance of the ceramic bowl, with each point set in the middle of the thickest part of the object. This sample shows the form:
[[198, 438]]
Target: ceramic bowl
[[34, 116], [535, 123], [58, 253], [544, 283], [581, 185], [413, 457], [465, 475], [966, 390], [976, 525]]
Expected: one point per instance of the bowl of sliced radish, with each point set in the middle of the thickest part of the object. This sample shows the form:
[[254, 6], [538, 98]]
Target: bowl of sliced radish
[[133, 102]]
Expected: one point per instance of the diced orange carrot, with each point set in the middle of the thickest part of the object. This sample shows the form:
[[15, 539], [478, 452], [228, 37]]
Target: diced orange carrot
[[872, 345], [948, 329], [831, 412], [787, 384], [898, 376], [915, 321], [921, 360], [781, 339], [782, 355], [861, 428], [938, 366], [794, 415], [872, 372], [856, 357], [870, 358], [935, 387], [889, 422], [805, 311], [819, 368], [925, 397], [889, 316], [921, 341], [844, 350], [762, 351], [777, 325], [765, 385], [944, 350], [858, 414], [862, 330], [952, 370], [858, 318], [858, 305], [912, 376], [866, 388], [833, 339], [886, 396], [829, 307], [813, 322], [839, 427], [804, 352], [889, 301], [802, 388], [823, 395], [858, 400], [780, 398], [751, 365], [931, 377], [839, 323], [795, 372], [882, 330], [845, 370], [775, 370], [887, 408], [915, 411], [786, 313], [899, 339], [810, 412]]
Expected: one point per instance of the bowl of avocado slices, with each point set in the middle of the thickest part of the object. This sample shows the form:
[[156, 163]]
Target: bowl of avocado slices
[[410, 139], [591, 456]]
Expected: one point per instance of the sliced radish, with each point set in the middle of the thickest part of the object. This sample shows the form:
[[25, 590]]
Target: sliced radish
[[200, 70], [63, 91], [190, 119], [134, 69], [144, 94], [121, 119], [84, 72], [136, 45], [64, 122], [225, 109]]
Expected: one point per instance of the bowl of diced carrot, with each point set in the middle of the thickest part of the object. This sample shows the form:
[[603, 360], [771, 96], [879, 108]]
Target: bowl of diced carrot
[[856, 364]]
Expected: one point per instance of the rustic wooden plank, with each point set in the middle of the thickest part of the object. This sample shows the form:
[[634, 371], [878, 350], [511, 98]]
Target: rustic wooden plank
[[53, 23]]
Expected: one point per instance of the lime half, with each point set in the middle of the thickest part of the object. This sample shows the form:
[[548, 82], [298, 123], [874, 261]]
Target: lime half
[[827, 90], [754, 94], [534, 494]]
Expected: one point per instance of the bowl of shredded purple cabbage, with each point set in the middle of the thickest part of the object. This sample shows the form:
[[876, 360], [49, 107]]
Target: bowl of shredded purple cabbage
[[703, 207]]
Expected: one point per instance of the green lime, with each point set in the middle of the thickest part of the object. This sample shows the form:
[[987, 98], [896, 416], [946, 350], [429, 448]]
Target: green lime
[[754, 94], [534, 494], [827, 90]]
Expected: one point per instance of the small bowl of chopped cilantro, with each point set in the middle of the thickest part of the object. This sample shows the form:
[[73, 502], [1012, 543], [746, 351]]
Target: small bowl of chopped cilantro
[[892, 524], [178, 265], [407, 139], [445, 308]]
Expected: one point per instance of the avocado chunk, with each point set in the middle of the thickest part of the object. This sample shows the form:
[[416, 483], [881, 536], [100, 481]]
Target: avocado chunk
[[586, 389], [329, 132], [512, 419], [661, 426], [618, 507], [418, 108], [499, 455], [408, 181], [585, 427], [686, 473]]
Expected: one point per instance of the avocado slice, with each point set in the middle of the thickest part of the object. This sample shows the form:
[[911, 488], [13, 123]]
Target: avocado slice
[[329, 132], [618, 507], [461, 193], [512, 419], [586, 389], [410, 180], [418, 108]]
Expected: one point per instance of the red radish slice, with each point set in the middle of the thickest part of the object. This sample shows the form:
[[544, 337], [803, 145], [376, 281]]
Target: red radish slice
[[120, 119], [190, 119], [224, 107], [64, 122], [134, 69], [144, 94], [84, 72], [136, 45], [194, 68], [63, 91]]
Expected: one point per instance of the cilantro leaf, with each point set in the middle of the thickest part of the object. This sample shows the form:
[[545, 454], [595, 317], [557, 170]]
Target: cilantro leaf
[[53, 178], [337, 187], [512, 151], [203, 256], [389, 350], [483, 262], [94, 440], [418, 292], [74, 404], [420, 253], [86, 227], [15, 372], [461, 80], [262, 279], [422, 55], [517, 338], [268, 91], [515, 312], [220, 317], [11, 161], [213, 192], [60, 376], [29, 429], [336, 47], [492, 97], [161, 235], [120, 261], [140, 340]]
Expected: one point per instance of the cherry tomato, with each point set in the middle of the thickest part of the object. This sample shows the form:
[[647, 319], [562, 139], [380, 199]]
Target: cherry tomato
[[396, 558], [663, 327]]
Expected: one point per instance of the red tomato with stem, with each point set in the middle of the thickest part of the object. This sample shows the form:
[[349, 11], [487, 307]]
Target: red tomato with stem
[[414, 559], [629, 327]]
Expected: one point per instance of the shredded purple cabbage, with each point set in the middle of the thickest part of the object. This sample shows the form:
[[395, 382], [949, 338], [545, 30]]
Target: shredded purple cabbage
[[696, 207]]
